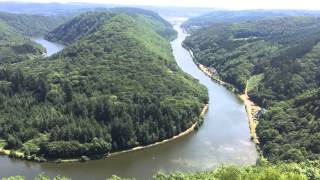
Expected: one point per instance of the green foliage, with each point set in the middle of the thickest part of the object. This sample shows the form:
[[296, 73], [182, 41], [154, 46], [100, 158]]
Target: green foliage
[[33, 146], [2, 143], [39, 177], [279, 58], [266, 172], [13, 178], [160, 25], [254, 81], [32, 25], [79, 27], [69, 149], [113, 88], [118, 178], [91, 22], [289, 130], [263, 171], [239, 50]]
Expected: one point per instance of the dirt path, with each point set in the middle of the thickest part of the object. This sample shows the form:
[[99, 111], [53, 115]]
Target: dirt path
[[252, 109]]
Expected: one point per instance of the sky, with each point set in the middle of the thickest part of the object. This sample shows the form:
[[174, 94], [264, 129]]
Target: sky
[[226, 4]]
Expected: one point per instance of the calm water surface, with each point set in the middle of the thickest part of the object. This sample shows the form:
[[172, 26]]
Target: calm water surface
[[223, 139], [51, 47]]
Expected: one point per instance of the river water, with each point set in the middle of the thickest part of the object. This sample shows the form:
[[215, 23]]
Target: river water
[[223, 139], [51, 47]]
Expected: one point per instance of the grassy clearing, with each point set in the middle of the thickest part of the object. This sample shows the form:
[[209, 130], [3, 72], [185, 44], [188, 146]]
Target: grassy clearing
[[2, 143], [32, 146], [254, 81]]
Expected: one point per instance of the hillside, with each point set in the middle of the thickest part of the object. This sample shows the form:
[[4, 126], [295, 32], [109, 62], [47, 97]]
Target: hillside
[[289, 131], [32, 25], [78, 27], [115, 87], [228, 16], [279, 58], [81, 25], [14, 47]]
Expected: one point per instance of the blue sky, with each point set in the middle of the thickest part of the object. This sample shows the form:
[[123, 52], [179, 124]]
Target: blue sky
[[228, 4]]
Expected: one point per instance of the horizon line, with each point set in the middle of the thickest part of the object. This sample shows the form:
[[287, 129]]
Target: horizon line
[[158, 5]]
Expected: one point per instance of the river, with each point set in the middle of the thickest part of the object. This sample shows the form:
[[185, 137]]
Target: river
[[51, 47], [222, 139]]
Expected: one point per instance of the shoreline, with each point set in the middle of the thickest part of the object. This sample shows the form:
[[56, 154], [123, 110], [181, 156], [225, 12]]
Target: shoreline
[[209, 73], [186, 132], [251, 108]]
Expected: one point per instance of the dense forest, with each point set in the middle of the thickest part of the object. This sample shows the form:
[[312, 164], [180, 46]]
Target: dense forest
[[278, 60], [116, 86]]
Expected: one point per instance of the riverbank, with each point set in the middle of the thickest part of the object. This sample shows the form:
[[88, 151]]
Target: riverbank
[[21, 155], [9, 153], [251, 108], [208, 72]]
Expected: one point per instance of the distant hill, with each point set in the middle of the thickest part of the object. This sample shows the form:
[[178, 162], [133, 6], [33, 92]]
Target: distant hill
[[228, 16], [91, 22], [73, 9], [47, 9]]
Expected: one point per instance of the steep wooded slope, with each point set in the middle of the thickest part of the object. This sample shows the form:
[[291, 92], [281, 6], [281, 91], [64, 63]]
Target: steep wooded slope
[[82, 25]]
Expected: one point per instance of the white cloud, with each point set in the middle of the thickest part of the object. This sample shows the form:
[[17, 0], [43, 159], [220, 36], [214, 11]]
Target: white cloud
[[229, 4]]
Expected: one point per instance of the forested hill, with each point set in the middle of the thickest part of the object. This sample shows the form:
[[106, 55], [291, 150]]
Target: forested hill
[[279, 58], [78, 27], [32, 25], [114, 88], [91, 22], [228, 16], [14, 47]]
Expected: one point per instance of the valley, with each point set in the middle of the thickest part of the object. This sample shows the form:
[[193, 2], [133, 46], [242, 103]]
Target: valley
[[96, 93], [183, 154]]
